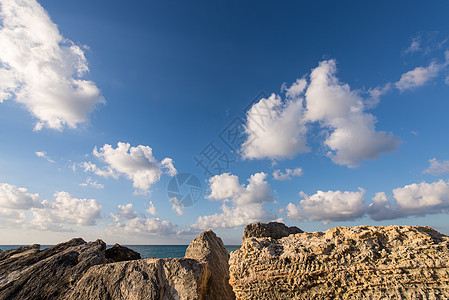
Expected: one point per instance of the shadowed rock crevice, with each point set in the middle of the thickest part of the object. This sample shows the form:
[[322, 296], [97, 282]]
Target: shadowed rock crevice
[[274, 230], [119, 253]]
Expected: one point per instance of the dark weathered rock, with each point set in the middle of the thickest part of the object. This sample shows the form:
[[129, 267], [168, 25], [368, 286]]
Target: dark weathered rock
[[209, 248], [27, 249], [28, 273], [153, 278], [120, 253], [274, 230]]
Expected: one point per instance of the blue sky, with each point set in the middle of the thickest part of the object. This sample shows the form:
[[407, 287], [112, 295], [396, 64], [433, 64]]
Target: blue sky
[[341, 110]]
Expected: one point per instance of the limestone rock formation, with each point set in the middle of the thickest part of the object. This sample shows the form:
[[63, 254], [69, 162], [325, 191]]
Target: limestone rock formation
[[152, 278], [274, 230], [363, 262], [120, 253], [28, 273], [209, 248]]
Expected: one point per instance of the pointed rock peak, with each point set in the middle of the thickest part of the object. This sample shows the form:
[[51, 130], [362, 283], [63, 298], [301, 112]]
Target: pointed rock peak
[[208, 247], [274, 230], [120, 253]]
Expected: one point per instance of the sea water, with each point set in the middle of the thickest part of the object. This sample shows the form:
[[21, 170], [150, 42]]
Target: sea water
[[146, 251]]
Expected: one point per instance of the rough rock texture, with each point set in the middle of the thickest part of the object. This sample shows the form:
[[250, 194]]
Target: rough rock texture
[[176, 278], [209, 248], [119, 253], [24, 250], [28, 273], [274, 230], [202, 274], [364, 262]]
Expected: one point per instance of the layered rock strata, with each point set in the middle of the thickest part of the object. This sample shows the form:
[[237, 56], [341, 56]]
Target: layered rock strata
[[28, 273], [363, 262]]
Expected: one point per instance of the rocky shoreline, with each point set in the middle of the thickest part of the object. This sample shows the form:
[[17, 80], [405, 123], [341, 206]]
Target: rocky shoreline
[[274, 262]]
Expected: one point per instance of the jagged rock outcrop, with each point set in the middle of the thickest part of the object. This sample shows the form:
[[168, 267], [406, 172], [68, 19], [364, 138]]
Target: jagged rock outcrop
[[27, 250], [152, 278], [363, 262], [274, 230], [202, 274], [209, 248], [28, 273], [119, 253]]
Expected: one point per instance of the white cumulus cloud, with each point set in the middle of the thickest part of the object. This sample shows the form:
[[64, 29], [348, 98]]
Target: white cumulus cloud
[[418, 77], [277, 129], [135, 163], [11, 218], [422, 198], [42, 70], [329, 206], [126, 211], [151, 209], [13, 197], [421, 75], [353, 136], [246, 203], [66, 209], [152, 226], [417, 199]]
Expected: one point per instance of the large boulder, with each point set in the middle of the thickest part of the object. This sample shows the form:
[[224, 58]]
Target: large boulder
[[274, 230], [120, 253], [363, 262], [28, 273], [209, 248], [153, 278], [202, 274]]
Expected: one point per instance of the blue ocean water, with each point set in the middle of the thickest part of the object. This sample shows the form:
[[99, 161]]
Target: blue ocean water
[[146, 251]]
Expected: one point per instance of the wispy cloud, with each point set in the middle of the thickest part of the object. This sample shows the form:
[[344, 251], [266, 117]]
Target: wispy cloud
[[288, 174], [43, 154], [92, 183], [425, 42], [437, 167]]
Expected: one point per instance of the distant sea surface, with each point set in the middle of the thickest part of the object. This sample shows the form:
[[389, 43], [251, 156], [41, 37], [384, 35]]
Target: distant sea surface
[[146, 251]]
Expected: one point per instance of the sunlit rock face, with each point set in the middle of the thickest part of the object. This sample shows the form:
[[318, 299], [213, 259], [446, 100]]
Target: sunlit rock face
[[363, 262]]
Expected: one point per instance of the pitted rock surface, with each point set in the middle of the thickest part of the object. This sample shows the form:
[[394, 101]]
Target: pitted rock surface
[[363, 262]]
